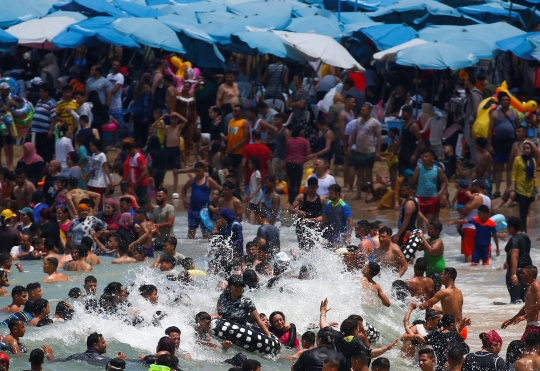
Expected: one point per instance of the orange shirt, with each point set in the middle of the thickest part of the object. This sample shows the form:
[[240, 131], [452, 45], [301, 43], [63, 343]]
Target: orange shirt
[[235, 135]]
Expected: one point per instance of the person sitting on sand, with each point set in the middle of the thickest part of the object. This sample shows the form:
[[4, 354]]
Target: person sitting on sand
[[50, 265]]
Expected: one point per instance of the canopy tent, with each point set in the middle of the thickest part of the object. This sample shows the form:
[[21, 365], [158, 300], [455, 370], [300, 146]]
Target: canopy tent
[[92, 32], [480, 39], [317, 24], [265, 42], [38, 33], [318, 48], [390, 54], [90, 8], [407, 11], [435, 56], [15, 12], [524, 46], [200, 48], [389, 35], [137, 10], [444, 19], [150, 32], [495, 12]]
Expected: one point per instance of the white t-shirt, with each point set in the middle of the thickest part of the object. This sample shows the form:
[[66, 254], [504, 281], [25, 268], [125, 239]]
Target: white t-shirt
[[253, 184], [98, 178], [18, 250], [116, 101], [324, 184], [62, 147], [349, 130]]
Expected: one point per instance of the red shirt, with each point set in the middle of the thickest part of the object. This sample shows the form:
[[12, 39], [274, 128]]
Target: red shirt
[[135, 164], [262, 152]]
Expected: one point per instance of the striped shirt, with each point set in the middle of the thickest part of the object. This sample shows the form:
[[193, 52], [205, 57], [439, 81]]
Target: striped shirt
[[62, 113], [43, 114]]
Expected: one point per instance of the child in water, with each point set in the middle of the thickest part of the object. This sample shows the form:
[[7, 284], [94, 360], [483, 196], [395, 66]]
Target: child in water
[[203, 323]]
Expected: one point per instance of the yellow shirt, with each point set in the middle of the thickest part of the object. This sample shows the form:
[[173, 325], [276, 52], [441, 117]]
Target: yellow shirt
[[62, 113], [519, 177]]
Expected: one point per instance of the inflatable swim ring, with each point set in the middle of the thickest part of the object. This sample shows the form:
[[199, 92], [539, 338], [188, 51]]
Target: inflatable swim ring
[[500, 220], [23, 112], [205, 217], [246, 336], [372, 333], [481, 124], [412, 244]]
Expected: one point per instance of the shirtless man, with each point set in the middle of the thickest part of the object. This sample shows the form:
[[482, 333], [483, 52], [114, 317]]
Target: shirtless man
[[19, 297], [146, 230], [484, 163], [123, 257], [50, 265], [79, 260], [228, 92], [389, 254], [450, 297], [369, 271], [74, 195], [414, 332], [531, 359], [228, 201], [367, 244], [419, 286], [531, 309]]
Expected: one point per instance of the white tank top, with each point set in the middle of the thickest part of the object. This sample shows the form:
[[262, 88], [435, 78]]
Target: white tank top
[[474, 212], [421, 330]]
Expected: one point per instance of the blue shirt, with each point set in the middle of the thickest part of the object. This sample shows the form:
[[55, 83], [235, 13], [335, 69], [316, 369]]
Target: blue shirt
[[336, 218], [484, 231]]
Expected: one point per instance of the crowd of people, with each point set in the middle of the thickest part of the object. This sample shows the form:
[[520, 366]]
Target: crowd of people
[[71, 202]]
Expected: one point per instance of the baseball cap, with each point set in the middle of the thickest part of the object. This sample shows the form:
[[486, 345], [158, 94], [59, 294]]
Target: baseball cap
[[238, 359], [480, 183], [36, 81], [4, 86], [431, 313], [7, 213], [236, 280], [407, 173], [463, 183], [26, 210]]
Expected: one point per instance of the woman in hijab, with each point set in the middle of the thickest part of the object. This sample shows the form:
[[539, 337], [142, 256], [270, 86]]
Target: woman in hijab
[[31, 162], [524, 182], [50, 71], [99, 111], [227, 225], [126, 230], [72, 170], [488, 358], [109, 214], [156, 161], [141, 109]]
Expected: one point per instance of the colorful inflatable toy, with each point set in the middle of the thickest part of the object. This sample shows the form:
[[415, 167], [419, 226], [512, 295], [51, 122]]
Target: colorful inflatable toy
[[282, 188], [307, 173], [481, 124], [13, 87], [500, 220], [529, 106], [180, 65]]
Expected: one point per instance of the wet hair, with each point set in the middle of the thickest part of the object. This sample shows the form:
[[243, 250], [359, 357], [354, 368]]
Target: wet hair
[[306, 272], [75, 293], [92, 339], [361, 354], [447, 320], [4, 258], [514, 351], [457, 352], [374, 268], [147, 290], [166, 344], [18, 290], [53, 262], [172, 329], [33, 286], [140, 249], [117, 363], [514, 222], [251, 365], [335, 188], [172, 240], [421, 264], [452, 272], [428, 351], [437, 225], [381, 362], [89, 279], [82, 250], [201, 316], [386, 230], [29, 307], [250, 278], [531, 269], [168, 360], [188, 262], [262, 267], [309, 337], [40, 305], [37, 356], [313, 181], [483, 209], [326, 336], [170, 260], [13, 322], [348, 327], [276, 313], [332, 363], [63, 310]]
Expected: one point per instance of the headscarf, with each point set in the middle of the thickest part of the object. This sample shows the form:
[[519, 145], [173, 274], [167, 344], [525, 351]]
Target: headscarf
[[32, 157], [529, 164], [111, 202], [490, 339], [74, 157], [228, 215], [125, 220]]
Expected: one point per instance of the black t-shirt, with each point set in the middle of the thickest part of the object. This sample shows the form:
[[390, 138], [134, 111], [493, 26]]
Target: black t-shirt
[[313, 359], [271, 234], [450, 163], [522, 242], [347, 345], [483, 361], [441, 342]]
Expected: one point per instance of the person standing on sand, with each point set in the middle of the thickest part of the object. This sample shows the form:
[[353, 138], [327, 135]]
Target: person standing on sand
[[531, 309]]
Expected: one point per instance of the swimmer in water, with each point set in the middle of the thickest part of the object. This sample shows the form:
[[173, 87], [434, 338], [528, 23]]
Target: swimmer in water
[[90, 285], [307, 341], [4, 282], [79, 262], [420, 330], [203, 325], [19, 297], [50, 265], [123, 257], [150, 293], [531, 358], [419, 286], [16, 332], [371, 270], [389, 254]]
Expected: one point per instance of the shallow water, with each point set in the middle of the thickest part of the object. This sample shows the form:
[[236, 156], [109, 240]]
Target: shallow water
[[299, 301]]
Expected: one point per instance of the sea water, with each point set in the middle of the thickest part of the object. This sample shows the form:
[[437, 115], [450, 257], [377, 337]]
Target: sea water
[[299, 300]]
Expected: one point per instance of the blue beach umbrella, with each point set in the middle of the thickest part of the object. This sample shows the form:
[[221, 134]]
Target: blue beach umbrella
[[265, 42], [221, 32], [436, 56], [7, 40], [303, 12], [263, 8], [492, 12], [91, 8], [75, 15], [386, 36], [15, 12], [406, 11], [317, 24], [150, 32], [522, 46], [137, 10]]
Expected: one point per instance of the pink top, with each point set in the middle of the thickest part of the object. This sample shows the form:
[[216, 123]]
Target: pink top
[[296, 150]]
